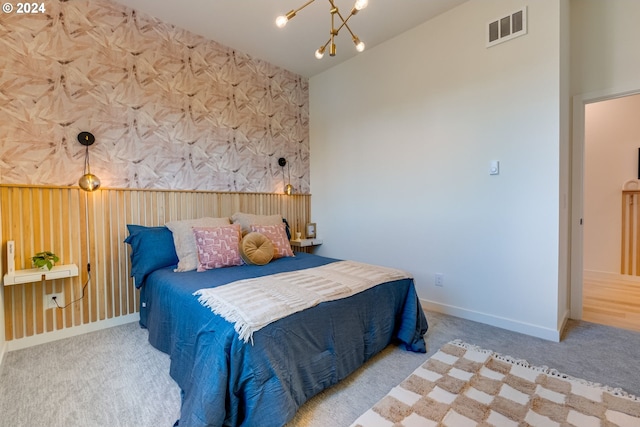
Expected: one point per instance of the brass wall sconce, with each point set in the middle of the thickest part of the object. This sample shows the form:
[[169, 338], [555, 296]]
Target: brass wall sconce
[[288, 188], [88, 181]]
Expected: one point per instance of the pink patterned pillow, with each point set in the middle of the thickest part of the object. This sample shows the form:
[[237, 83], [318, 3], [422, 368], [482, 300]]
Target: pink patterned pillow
[[278, 236], [217, 246]]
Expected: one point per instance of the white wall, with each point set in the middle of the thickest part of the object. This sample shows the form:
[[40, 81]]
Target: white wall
[[612, 138], [604, 53], [401, 140]]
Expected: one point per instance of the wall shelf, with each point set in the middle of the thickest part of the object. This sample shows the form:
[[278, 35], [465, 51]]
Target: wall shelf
[[303, 243], [36, 274]]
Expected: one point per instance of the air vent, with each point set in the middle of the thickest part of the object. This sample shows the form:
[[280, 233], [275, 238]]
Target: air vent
[[507, 28]]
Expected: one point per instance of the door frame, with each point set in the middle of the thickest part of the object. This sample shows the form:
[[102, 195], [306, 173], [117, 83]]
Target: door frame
[[577, 186]]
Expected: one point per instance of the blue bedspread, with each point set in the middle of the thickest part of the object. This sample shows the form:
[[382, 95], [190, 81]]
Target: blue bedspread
[[227, 382]]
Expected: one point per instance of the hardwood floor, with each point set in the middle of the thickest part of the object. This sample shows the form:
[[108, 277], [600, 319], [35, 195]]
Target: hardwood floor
[[612, 300]]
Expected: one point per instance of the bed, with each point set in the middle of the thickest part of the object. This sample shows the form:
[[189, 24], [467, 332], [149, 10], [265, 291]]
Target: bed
[[226, 381]]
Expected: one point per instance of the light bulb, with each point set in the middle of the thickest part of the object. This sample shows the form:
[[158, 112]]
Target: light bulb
[[89, 182], [358, 43], [361, 4], [281, 21], [320, 53]]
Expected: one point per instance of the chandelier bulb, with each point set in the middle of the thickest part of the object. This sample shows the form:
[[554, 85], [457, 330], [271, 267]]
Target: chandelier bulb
[[281, 21], [359, 44], [361, 4], [320, 53]]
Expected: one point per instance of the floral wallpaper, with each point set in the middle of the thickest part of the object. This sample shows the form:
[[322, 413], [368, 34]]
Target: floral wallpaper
[[168, 108]]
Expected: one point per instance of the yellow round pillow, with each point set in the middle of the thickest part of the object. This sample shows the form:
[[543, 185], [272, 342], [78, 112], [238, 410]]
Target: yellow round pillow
[[256, 248]]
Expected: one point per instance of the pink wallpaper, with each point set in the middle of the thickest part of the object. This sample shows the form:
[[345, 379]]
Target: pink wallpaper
[[169, 109]]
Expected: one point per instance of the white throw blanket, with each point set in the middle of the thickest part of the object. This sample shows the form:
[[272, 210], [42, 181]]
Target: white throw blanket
[[251, 304]]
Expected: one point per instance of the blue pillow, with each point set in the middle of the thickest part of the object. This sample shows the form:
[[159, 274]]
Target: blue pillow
[[151, 248]]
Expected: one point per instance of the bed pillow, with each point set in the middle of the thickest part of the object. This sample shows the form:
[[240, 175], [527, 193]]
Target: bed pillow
[[278, 236], [256, 249], [151, 248], [217, 246], [185, 241], [246, 220]]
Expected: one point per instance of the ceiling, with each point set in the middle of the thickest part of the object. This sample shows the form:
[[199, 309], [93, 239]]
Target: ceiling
[[248, 26]]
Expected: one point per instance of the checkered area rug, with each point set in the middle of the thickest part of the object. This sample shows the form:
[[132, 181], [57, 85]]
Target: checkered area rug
[[462, 385]]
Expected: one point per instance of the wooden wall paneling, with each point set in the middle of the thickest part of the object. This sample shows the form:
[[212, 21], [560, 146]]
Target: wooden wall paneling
[[43, 236], [125, 283], [108, 220], [66, 254], [169, 202], [115, 233], [15, 316], [90, 228], [129, 210], [85, 258], [7, 219], [168, 211], [27, 294], [200, 205], [75, 285], [18, 301], [55, 241], [92, 289], [100, 253], [119, 228]]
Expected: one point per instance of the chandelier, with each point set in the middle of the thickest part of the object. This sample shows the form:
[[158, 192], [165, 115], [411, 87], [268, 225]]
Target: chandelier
[[282, 20]]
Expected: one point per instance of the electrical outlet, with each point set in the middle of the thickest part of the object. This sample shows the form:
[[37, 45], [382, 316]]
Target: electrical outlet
[[50, 300], [439, 279]]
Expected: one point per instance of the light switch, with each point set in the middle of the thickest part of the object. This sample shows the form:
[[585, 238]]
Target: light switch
[[494, 168]]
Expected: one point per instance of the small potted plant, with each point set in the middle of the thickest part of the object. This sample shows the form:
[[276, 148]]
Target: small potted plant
[[45, 260]]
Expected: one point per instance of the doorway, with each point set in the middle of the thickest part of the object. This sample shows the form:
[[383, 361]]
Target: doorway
[[605, 156]]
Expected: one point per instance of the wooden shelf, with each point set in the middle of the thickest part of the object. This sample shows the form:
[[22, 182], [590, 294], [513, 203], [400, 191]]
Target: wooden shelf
[[303, 243], [36, 274]]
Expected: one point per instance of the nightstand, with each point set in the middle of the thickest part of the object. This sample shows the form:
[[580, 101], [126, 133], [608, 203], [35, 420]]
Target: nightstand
[[305, 245], [36, 274]]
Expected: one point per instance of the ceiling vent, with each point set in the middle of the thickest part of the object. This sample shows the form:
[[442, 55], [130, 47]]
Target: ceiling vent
[[507, 28]]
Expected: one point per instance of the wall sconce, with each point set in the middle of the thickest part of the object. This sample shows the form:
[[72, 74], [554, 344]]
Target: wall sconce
[[288, 188], [88, 181]]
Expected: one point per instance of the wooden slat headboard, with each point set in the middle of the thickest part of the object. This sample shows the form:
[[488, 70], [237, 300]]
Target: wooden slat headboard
[[90, 228]]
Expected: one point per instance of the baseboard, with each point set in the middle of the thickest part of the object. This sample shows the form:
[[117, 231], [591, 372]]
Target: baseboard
[[609, 276], [70, 332], [3, 351], [489, 319]]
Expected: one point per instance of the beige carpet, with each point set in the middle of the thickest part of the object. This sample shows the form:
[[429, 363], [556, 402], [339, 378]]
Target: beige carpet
[[462, 385]]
